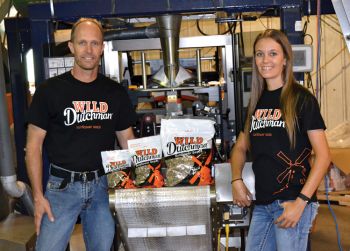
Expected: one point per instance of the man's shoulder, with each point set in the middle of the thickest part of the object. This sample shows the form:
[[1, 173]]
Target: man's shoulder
[[52, 86], [57, 79], [106, 79], [110, 83]]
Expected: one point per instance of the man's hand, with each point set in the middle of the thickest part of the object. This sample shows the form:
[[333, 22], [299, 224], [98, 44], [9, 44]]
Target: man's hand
[[291, 214], [241, 195], [42, 206]]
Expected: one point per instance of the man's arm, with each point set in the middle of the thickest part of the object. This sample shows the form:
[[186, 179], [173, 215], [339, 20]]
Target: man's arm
[[123, 137], [35, 139]]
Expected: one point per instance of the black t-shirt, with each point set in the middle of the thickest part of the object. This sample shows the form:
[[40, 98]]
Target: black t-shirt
[[280, 171], [80, 119]]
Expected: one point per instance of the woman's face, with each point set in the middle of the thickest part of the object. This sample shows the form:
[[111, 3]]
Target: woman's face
[[270, 61]]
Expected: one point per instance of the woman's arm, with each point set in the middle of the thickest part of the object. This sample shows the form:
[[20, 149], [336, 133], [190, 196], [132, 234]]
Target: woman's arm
[[293, 210], [321, 162], [240, 193]]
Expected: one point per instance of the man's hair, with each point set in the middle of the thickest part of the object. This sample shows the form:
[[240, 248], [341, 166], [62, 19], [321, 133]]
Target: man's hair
[[82, 20]]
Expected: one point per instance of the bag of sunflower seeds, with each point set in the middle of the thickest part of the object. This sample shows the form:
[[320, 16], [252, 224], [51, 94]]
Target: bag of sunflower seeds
[[117, 166], [146, 154], [187, 149]]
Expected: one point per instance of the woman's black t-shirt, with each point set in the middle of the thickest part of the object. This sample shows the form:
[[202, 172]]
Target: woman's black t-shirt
[[280, 171]]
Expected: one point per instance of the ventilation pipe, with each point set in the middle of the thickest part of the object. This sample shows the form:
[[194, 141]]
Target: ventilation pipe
[[8, 177], [151, 31]]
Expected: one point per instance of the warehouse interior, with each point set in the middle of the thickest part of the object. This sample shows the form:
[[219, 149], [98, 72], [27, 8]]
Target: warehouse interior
[[187, 59]]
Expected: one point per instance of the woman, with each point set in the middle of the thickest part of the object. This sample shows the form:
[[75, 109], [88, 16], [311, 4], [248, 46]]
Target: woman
[[283, 126]]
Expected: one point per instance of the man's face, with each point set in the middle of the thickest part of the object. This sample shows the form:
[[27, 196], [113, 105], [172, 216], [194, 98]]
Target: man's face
[[87, 46]]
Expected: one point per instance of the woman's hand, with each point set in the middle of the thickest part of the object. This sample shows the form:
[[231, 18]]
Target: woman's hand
[[241, 195], [291, 214]]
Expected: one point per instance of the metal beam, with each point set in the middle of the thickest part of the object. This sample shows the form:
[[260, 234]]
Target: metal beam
[[41, 35], [121, 8]]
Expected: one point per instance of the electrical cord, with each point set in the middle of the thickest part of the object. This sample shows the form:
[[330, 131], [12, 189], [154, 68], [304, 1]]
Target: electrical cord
[[309, 83], [219, 239], [334, 19], [241, 35], [206, 34], [227, 232], [326, 180], [320, 87], [318, 48], [226, 217], [222, 158], [331, 26], [262, 23], [305, 34]]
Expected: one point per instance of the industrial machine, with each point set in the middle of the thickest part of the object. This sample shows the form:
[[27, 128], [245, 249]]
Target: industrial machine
[[181, 218]]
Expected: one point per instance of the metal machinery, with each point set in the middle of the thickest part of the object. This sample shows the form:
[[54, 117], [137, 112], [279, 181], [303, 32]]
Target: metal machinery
[[159, 223], [185, 218]]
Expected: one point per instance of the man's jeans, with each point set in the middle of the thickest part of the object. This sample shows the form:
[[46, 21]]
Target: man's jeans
[[87, 199], [265, 235]]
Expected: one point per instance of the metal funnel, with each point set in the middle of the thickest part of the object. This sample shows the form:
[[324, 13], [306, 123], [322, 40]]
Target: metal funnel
[[169, 33], [161, 79]]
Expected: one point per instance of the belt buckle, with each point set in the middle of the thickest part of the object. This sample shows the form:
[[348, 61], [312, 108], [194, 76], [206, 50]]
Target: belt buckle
[[83, 176]]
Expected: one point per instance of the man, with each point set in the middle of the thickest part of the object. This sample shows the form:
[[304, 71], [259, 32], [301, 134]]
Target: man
[[76, 115]]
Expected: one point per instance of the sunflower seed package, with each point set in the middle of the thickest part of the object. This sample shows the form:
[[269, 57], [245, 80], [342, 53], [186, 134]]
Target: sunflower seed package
[[146, 154], [117, 166], [187, 149]]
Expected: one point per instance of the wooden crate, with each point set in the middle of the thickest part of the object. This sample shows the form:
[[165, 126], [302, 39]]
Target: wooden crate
[[341, 197]]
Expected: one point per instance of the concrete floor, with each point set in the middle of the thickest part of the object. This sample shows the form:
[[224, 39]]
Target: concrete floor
[[323, 237]]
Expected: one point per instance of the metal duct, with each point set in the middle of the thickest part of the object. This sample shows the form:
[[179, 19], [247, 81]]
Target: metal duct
[[169, 32], [109, 35], [8, 176], [135, 33]]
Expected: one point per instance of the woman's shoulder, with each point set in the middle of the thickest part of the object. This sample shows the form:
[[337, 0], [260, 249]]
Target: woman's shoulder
[[302, 92], [305, 96]]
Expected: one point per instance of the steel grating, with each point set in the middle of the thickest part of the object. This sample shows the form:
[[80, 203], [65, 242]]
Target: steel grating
[[165, 219]]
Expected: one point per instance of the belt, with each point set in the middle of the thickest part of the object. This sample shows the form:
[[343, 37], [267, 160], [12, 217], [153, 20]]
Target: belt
[[75, 176]]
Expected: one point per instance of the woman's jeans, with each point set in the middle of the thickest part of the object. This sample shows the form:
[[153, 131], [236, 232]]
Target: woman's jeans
[[89, 200], [265, 235]]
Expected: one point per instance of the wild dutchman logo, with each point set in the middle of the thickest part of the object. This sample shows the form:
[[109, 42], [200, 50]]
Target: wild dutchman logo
[[117, 165], [152, 151], [186, 144], [86, 110], [144, 155], [266, 118]]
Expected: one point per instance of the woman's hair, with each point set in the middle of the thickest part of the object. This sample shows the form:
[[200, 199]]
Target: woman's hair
[[290, 93]]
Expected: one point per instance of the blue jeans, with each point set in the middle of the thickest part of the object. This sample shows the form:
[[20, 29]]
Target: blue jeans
[[265, 235], [87, 199]]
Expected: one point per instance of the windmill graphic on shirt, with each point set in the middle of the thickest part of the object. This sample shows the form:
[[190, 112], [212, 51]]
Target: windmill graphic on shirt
[[289, 174]]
